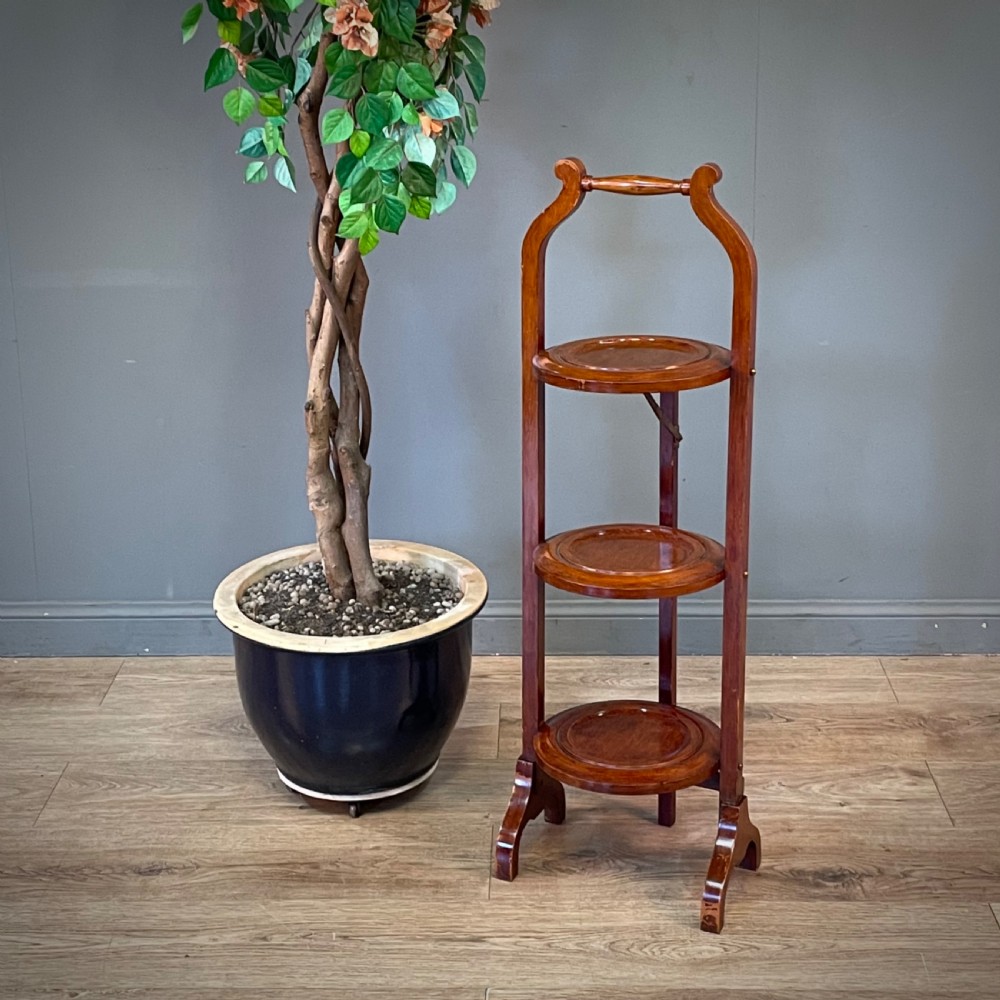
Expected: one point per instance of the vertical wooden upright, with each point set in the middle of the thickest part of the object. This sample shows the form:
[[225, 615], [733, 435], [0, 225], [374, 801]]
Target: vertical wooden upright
[[636, 747]]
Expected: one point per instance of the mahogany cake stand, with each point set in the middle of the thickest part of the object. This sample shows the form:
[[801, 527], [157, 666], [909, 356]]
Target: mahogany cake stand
[[637, 747]]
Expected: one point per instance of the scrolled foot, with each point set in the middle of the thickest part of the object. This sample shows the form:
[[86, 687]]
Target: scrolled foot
[[737, 845], [534, 792]]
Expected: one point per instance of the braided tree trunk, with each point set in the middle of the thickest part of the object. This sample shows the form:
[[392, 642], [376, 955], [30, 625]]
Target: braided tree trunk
[[337, 475]]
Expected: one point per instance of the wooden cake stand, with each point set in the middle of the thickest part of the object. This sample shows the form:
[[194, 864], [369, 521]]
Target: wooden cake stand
[[637, 747]]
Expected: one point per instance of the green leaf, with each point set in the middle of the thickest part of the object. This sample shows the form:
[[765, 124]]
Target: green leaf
[[379, 75], [189, 23], [420, 207], [265, 75], [303, 70], [390, 213], [369, 240], [419, 148], [410, 115], [271, 106], [419, 179], [474, 48], [383, 155], [442, 107], [476, 76], [372, 113], [230, 31], [238, 105], [463, 162], [472, 118], [272, 137], [395, 107], [399, 18], [344, 168], [344, 200], [313, 32], [337, 125], [248, 38], [221, 67], [287, 64], [345, 81], [256, 172], [354, 223], [284, 173], [252, 143], [221, 12], [337, 55], [367, 188], [445, 197], [415, 82], [360, 141]]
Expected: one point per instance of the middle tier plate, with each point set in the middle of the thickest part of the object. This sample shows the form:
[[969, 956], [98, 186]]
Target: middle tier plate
[[630, 561]]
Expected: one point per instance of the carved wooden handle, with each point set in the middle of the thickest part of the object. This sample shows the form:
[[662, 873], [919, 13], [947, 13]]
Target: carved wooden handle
[[636, 184]]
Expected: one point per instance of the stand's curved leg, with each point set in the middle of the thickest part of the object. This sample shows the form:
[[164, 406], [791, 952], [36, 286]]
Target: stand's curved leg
[[738, 845], [534, 791]]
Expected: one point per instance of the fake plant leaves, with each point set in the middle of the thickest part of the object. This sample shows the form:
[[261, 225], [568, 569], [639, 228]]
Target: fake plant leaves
[[271, 106], [415, 82], [256, 172], [476, 76], [383, 154], [238, 105], [284, 173], [189, 22], [221, 68], [390, 213], [398, 18], [252, 143], [265, 75], [463, 162], [366, 188], [355, 223], [380, 76], [345, 81], [360, 141], [421, 207], [369, 240], [443, 106], [337, 125], [372, 113], [419, 179]]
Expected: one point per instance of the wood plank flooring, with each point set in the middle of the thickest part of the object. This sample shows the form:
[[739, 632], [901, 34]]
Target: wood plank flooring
[[149, 852]]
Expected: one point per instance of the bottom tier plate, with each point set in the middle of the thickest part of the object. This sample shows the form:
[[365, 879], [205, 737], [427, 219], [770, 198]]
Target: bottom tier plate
[[629, 747]]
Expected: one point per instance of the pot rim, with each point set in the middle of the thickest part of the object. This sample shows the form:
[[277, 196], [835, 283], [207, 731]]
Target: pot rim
[[466, 575]]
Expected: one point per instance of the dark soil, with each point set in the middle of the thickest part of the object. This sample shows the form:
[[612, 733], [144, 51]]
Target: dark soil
[[297, 599]]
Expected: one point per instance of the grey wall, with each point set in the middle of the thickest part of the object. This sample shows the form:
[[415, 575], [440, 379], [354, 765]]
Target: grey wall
[[151, 362]]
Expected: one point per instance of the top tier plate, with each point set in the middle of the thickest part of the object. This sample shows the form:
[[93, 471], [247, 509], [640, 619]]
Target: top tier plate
[[633, 363]]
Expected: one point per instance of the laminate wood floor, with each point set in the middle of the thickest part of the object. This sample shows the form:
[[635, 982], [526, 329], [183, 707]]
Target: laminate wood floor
[[149, 852]]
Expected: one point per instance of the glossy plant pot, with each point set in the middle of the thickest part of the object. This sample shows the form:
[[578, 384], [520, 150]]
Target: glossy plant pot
[[357, 718]]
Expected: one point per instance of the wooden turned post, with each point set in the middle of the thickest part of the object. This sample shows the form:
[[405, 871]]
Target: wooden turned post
[[666, 812]]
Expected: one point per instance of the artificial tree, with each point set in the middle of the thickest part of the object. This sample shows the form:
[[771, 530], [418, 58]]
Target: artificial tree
[[398, 70]]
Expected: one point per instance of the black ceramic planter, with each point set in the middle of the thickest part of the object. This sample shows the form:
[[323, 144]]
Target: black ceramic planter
[[359, 718]]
